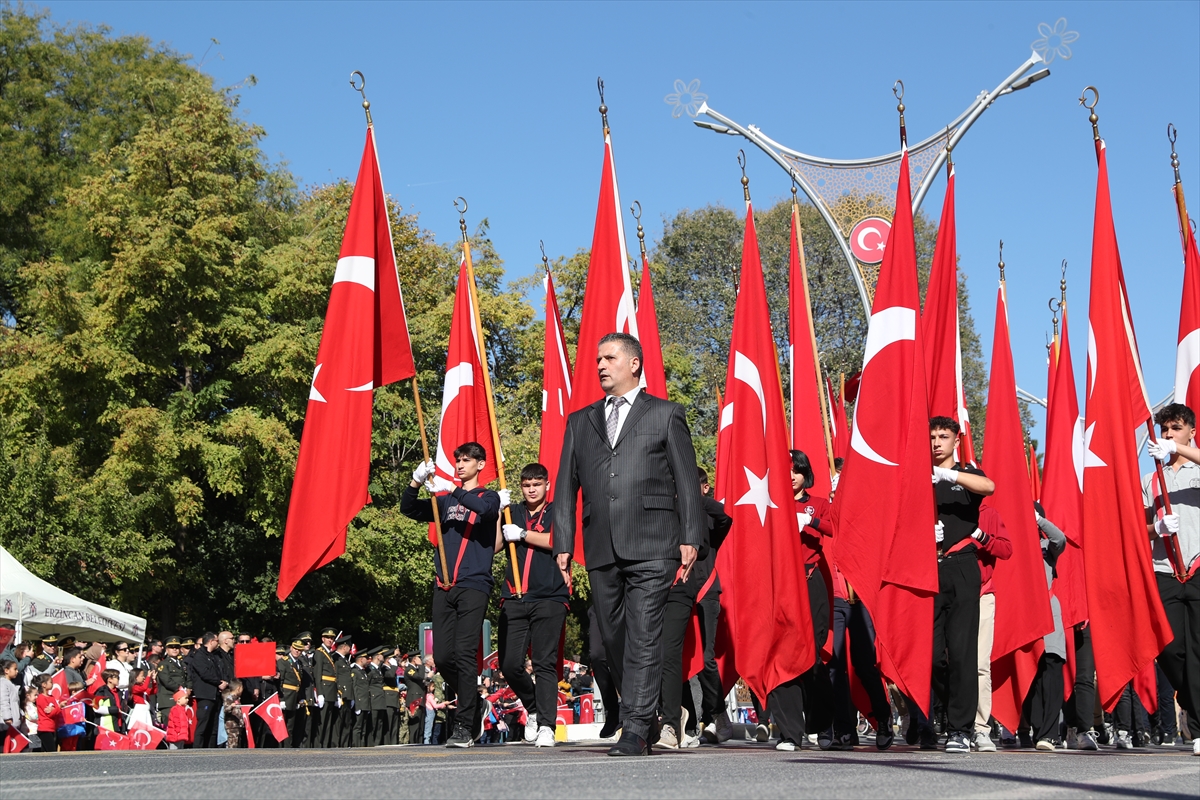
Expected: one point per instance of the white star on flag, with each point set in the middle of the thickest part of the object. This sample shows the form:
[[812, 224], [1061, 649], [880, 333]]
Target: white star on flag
[[758, 495], [1090, 459]]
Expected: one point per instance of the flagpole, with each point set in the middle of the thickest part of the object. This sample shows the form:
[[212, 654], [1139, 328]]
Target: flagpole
[[1174, 555], [487, 387], [812, 333]]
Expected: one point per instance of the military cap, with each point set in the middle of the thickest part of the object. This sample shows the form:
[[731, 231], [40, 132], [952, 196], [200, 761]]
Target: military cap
[[411, 653], [341, 640], [281, 649], [67, 642], [362, 654], [304, 636], [298, 642], [51, 640], [188, 642], [330, 632], [172, 641]]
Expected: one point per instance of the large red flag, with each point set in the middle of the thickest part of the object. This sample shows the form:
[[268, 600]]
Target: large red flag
[[465, 415], [653, 371], [272, 714], [764, 600], [556, 387], [838, 426], [1062, 482], [1129, 627], [808, 419], [724, 447], [1187, 354], [939, 326], [1023, 614], [607, 298], [884, 506], [1035, 475], [364, 345]]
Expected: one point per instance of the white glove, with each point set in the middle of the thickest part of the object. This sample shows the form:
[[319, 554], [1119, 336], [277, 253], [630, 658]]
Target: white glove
[[1167, 525], [357, 711], [834, 481], [320, 701], [423, 471], [803, 519], [339, 702], [1163, 449], [939, 531], [282, 705], [512, 533], [943, 475], [439, 485], [505, 498]]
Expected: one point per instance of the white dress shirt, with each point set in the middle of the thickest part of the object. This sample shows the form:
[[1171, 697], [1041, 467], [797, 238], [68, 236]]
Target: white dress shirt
[[623, 411]]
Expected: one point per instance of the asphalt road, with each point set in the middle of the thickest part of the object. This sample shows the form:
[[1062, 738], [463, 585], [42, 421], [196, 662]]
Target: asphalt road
[[520, 771]]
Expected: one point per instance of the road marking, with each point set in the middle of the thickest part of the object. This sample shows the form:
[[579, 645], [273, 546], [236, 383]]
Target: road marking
[[1075, 787]]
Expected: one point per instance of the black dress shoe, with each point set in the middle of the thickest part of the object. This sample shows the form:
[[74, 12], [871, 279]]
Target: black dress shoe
[[630, 744], [611, 726], [884, 737]]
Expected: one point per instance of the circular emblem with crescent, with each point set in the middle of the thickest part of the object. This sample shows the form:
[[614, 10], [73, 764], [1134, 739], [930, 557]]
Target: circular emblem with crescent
[[869, 238]]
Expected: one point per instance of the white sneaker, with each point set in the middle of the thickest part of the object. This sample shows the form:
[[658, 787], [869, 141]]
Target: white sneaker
[[717, 731], [785, 744], [545, 737], [1195, 746], [762, 733], [1045, 745], [688, 742], [983, 743], [668, 738], [1086, 741], [531, 729], [1124, 740]]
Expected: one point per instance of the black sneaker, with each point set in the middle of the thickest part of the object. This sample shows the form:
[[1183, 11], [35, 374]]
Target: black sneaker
[[957, 743], [884, 737], [844, 742], [461, 738], [929, 739]]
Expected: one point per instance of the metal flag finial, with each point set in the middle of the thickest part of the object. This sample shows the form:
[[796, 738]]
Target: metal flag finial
[[1001, 260], [603, 107], [949, 149], [545, 261], [462, 215], [641, 232], [741, 159], [1055, 305], [361, 88], [795, 197], [1092, 118], [898, 90], [1172, 134], [1062, 284]]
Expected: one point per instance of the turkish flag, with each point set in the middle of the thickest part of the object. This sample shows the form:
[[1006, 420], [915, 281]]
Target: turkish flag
[[254, 659], [270, 711], [111, 740], [1129, 627], [97, 672], [14, 741], [1062, 480], [724, 447], [653, 371], [72, 713], [60, 690], [884, 506], [838, 426], [808, 421], [939, 326], [764, 599], [145, 737], [556, 387], [364, 345], [1023, 613], [1187, 354], [1035, 476]]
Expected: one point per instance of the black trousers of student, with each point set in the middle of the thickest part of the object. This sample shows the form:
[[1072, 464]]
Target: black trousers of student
[[956, 639], [382, 724], [535, 627], [712, 700], [1080, 710], [1130, 715], [362, 728], [677, 616], [1180, 659], [457, 625], [1045, 698], [855, 619], [786, 710], [1163, 719], [601, 675], [207, 712], [818, 691]]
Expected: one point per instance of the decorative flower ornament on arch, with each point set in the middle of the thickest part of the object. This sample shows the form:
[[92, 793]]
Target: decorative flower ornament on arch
[[847, 192]]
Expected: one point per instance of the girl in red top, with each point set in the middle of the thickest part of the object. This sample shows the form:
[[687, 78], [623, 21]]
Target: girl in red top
[[49, 715]]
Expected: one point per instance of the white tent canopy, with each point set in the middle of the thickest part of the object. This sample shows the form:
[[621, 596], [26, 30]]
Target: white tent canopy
[[39, 609]]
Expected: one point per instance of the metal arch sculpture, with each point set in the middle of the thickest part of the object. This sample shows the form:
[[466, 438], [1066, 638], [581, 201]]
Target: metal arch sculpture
[[863, 187]]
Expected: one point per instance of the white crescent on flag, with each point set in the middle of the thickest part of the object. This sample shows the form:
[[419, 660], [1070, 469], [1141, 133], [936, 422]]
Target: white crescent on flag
[[891, 325]]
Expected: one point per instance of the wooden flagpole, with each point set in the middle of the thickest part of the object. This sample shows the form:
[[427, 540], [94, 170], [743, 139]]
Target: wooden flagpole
[[812, 335]]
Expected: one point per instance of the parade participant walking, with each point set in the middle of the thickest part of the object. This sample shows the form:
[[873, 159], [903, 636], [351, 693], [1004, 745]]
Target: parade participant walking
[[533, 622], [632, 456], [469, 516], [959, 490], [1045, 698], [1180, 660], [712, 722], [992, 548]]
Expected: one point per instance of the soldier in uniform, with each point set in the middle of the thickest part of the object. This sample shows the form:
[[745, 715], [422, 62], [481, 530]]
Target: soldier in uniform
[[378, 701], [295, 685], [414, 683], [361, 681], [345, 686], [172, 676], [324, 670], [44, 661], [391, 697]]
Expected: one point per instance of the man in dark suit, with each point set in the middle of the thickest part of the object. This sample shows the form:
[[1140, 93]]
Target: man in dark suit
[[632, 455]]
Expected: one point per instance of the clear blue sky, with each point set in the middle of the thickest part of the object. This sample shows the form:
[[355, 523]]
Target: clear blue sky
[[497, 102]]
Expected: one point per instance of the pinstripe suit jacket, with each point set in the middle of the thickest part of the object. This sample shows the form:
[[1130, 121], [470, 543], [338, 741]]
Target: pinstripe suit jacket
[[641, 496]]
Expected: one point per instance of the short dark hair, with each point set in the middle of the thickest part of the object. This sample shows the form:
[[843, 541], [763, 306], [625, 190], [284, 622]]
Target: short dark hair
[[535, 472], [838, 463], [801, 466], [109, 674], [71, 653], [1176, 412], [944, 424], [471, 450], [4, 663], [702, 474], [207, 637], [629, 343]]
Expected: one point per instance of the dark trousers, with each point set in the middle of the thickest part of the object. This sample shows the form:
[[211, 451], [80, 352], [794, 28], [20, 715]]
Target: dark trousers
[[393, 732], [1045, 698], [536, 627], [713, 699], [457, 625], [956, 639], [1180, 660], [601, 675], [786, 704], [1080, 710], [362, 728], [416, 724], [676, 617], [383, 719], [855, 619], [49, 740], [630, 597], [296, 720], [345, 724], [1163, 719], [1130, 715], [207, 712], [324, 724]]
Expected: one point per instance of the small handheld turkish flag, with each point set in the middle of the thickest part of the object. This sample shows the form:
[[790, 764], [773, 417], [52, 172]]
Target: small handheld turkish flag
[[145, 737], [60, 690], [72, 713], [111, 740], [96, 676], [270, 711], [14, 741]]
